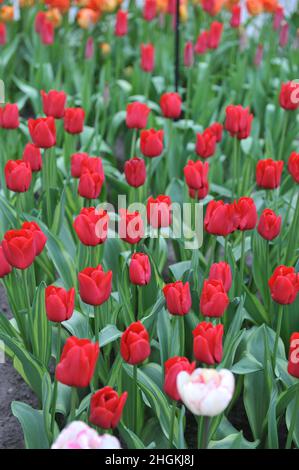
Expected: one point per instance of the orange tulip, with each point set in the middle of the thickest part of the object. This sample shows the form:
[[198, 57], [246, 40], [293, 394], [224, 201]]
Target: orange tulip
[[254, 7], [62, 5], [270, 5], [7, 13], [54, 16], [87, 17]]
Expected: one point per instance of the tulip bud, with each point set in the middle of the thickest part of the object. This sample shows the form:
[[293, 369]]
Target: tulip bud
[[54, 103], [91, 226], [235, 20], [214, 35], [171, 105], [158, 211], [135, 345], [135, 172], [213, 300], [42, 132], [284, 285], [95, 285], [293, 365], [140, 269], [32, 155], [9, 116], [173, 367], [268, 173], [207, 343], [18, 175], [74, 120], [147, 57], [269, 224], [47, 32], [106, 408], [59, 303], [137, 114], [222, 272], [178, 297], [121, 25]]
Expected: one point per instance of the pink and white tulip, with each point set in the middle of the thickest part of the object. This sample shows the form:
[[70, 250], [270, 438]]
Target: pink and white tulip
[[79, 435]]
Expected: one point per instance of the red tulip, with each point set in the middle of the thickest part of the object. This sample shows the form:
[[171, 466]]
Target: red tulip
[[54, 103], [205, 144], [220, 218], [131, 227], [2, 34], [147, 57], [222, 272], [77, 362], [235, 20], [135, 172], [39, 21], [9, 116], [278, 17], [171, 105], [284, 34], [19, 248], [284, 285], [140, 269], [216, 128], [293, 166], [33, 156], [269, 224], [135, 345], [76, 161], [95, 285], [268, 173], [214, 35], [106, 408], [90, 184], [207, 343], [91, 226], [5, 267], [196, 176], [149, 9], [121, 25], [59, 303], [238, 121], [151, 142], [173, 367], [39, 237], [246, 213], [47, 32], [74, 120], [18, 175], [158, 211], [178, 297], [289, 96], [213, 299], [92, 165], [137, 114], [188, 54], [293, 365], [212, 7], [201, 43], [43, 132]]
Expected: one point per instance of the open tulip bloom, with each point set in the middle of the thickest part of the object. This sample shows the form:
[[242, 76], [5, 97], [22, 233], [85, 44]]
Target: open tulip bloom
[[149, 224]]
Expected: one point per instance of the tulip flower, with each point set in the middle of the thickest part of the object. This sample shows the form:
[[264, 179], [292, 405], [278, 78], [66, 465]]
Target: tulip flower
[[19, 248], [188, 54], [47, 32], [2, 34], [207, 343], [278, 18], [289, 96], [216, 128], [196, 176], [135, 172], [137, 114], [201, 44], [284, 34], [18, 175], [59, 303], [93, 165], [220, 218], [284, 285], [131, 227], [140, 269], [90, 184], [235, 20], [171, 105], [77, 363], [78, 435], [159, 211], [293, 364], [178, 297], [135, 345], [254, 7], [9, 116], [74, 120], [91, 226], [76, 162], [213, 300], [214, 35], [147, 57], [151, 142], [106, 407], [172, 368], [5, 267], [206, 392], [95, 285], [32, 155], [205, 144], [246, 214], [269, 224], [39, 20], [293, 166], [43, 132], [121, 25], [39, 237], [54, 103], [212, 7], [238, 121], [221, 272], [149, 9], [268, 173]]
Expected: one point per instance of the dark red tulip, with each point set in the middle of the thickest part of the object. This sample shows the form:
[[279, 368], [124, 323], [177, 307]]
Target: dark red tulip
[[246, 213], [217, 130], [196, 176], [90, 184], [40, 239], [135, 172], [76, 162]]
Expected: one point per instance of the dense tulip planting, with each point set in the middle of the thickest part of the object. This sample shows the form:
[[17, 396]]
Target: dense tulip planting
[[150, 235]]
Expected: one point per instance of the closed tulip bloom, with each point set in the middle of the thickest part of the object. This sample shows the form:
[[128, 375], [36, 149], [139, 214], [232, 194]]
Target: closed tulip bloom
[[93, 165], [91, 226], [289, 96], [5, 267], [77, 363], [76, 161], [217, 130], [140, 269], [284, 34], [33, 156], [212, 7], [178, 297], [201, 44], [254, 7], [149, 9], [135, 172], [151, 142], [159, 211], [78, 435], [293, 364], [134, 344], [74, 120], [137, 114], [284, 285], [293, 166], [171, 105], [39, 20], [213, 300], [207, 343], [196, 175], [205, 144], [95, 285], [18, 175], [2, 34], [269, 224], [172, 368], [235, 20], [147, 57], [246, 213], [54, 103], [9, 116], [90, 184], [121, 24], [47, 32], [131, 227], [222, 272], [19, 248], [59, 303], [214, 35], [278, 18], [220, 218], [268, 173], [43, 132], [238, 121], [106, 408], [206, 392], [39, 238], [188, 54]]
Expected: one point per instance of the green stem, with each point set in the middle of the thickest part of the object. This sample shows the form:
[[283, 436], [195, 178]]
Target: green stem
[[235, 167], [133, 145], [73, 404], [55, 390], [293, 421], [172, 420], [226, 248], [278, 330], [242, 261], [283, 135], [134, 396]]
